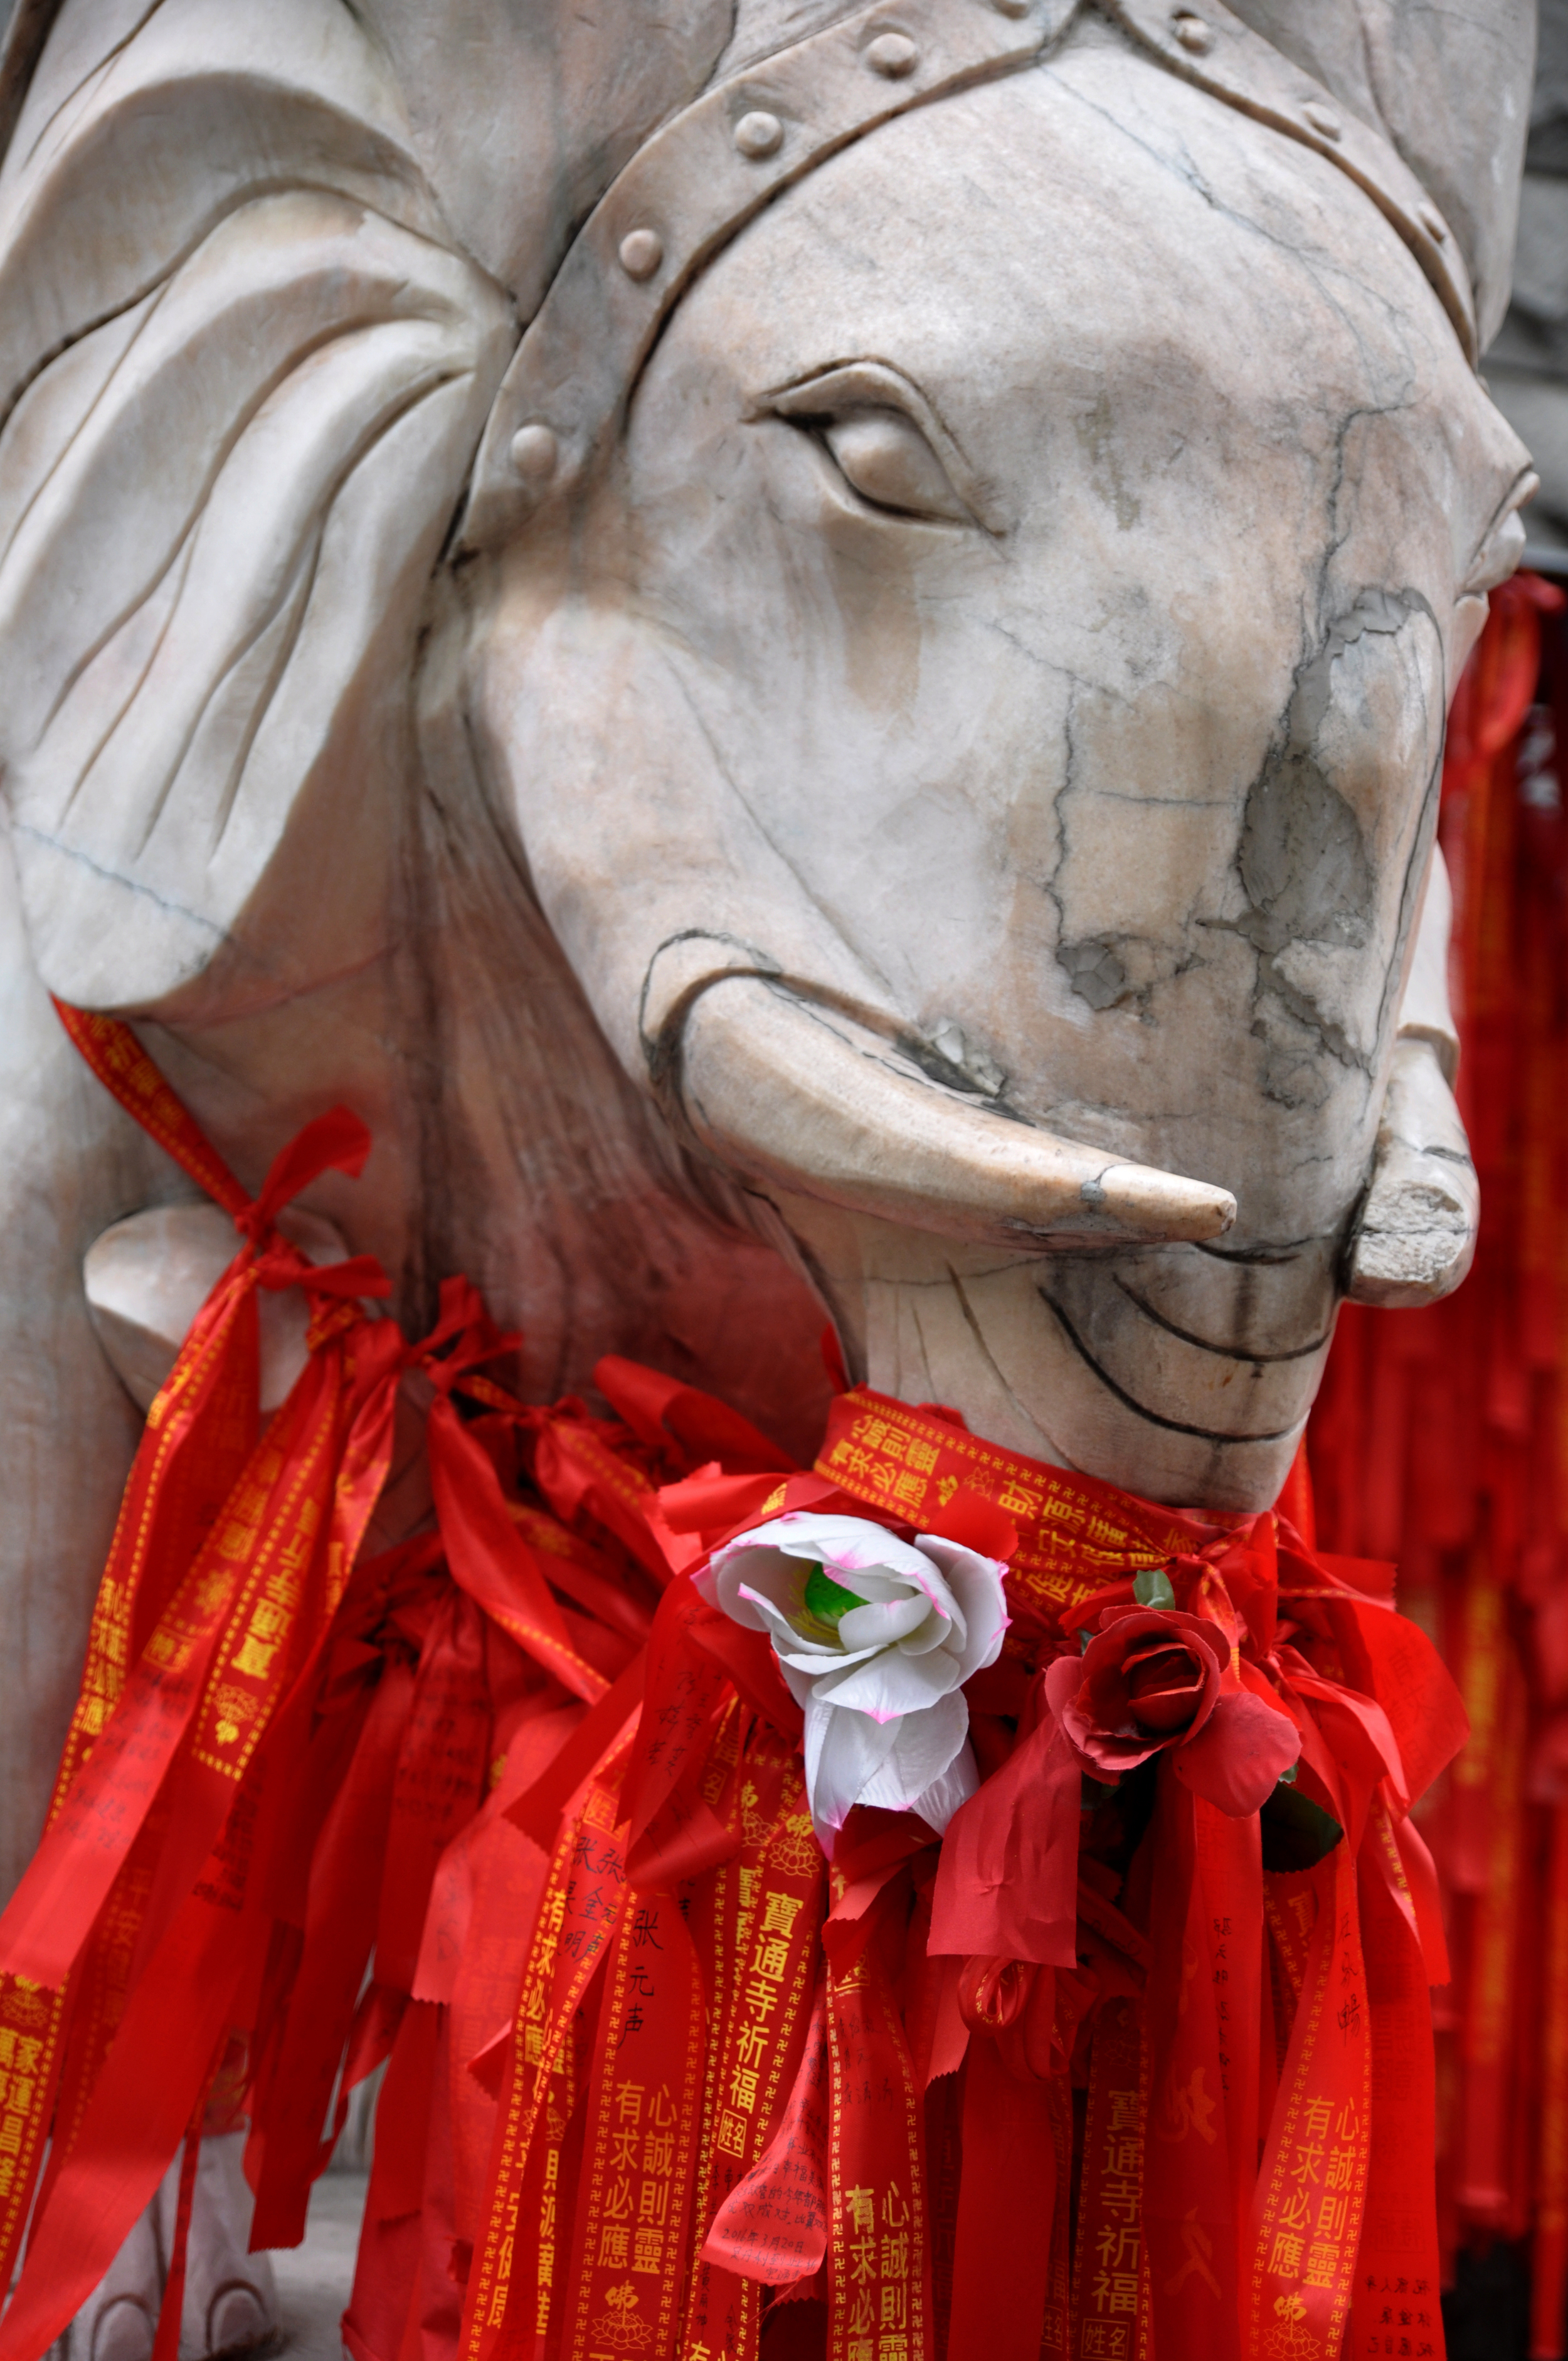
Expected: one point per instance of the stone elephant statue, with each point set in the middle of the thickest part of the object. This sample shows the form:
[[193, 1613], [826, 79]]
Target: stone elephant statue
[[853, 723]]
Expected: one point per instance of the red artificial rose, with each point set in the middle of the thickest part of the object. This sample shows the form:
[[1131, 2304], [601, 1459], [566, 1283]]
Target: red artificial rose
[[1153, 1680]]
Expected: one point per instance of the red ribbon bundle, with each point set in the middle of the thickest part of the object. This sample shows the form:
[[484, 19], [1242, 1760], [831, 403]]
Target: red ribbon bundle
[[885, 2118], [652, 2071], [278, 1748]]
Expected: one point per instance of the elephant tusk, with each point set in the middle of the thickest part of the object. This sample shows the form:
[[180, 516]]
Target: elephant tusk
[[1415, 1238], [782, 1091]]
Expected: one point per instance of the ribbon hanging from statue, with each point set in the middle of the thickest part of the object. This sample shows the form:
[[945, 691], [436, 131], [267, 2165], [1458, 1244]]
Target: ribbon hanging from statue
[[1217, 2003], [514, 1808], [261, 1774]]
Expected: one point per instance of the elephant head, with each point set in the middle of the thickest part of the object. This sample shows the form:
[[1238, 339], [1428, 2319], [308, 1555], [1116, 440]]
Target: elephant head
[[931, 541]]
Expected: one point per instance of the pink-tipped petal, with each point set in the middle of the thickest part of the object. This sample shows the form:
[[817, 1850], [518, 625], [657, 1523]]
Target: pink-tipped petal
[[946, 1795], [843, 1752], [890, 1683], [924, 1749]]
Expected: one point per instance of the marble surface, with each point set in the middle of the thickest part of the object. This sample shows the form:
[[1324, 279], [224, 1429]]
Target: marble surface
[[314, 2280], [932, 821], [851, 725]]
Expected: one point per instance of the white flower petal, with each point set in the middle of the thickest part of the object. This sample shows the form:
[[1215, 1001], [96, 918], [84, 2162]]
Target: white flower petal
[[960, 1780], [879, 1627], [885, 1719], [762, 1571], [787, 1640], [890, 1684], [937, 1631], [802, 1686], [867, 1582], [850, 1542], [923, 1752], [843, 1751], [820, 1661], [977, 1583], [925, 1576], [859, 1546]]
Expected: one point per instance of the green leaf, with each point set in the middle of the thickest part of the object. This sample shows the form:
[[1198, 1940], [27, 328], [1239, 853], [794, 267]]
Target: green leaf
[[1297, 1833], [1152, 1588], [827, 1600]]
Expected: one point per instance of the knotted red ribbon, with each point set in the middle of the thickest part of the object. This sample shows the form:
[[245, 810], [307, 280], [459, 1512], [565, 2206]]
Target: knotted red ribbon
[[433, 1751]]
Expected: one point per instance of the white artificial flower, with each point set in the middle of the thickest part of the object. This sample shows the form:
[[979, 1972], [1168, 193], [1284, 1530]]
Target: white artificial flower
[[875, 1637]]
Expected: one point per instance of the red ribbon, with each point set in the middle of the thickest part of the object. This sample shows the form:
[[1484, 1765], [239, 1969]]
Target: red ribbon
[[366, 1706]]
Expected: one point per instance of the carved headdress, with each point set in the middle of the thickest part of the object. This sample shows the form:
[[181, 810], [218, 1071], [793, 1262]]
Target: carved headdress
[[764, 125], [351, 285]]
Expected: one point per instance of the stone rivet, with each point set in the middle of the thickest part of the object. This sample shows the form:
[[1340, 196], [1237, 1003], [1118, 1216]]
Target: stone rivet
[[1193, 33], [1011, 7], [1323, 119], [534, 452], [641, 252], [758, 135], [893, 54], [1432, 222]]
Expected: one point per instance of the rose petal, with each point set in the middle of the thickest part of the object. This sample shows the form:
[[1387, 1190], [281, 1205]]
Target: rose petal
[[1165, 1711], [1236, 1759], [1106, 1754], [1064, 1678], [1103, 1752], [1148, 1669], [843, 1751], [1166, 1622], [1129, 1637]]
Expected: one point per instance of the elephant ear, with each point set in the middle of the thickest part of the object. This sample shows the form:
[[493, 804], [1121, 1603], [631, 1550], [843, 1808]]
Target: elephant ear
[[243, 370], [1450, 86]]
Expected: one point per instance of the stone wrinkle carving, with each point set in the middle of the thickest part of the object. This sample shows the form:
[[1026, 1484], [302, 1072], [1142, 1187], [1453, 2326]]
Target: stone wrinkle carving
[[888, 723]]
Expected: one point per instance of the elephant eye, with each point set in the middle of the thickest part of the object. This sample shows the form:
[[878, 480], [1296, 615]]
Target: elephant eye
[[883, 456], [885, 442]]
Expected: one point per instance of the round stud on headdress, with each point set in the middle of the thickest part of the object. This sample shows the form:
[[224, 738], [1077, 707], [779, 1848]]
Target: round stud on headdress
[[893, 54], [535, 452], [759, 134], [641, 252], [1323, 118], [1193, 33]]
